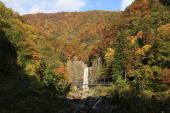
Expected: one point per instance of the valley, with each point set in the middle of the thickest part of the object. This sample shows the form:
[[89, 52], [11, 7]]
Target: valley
[[86, 62]]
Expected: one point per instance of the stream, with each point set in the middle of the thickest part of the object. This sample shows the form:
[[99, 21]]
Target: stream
[[86, 102], [84, 99]]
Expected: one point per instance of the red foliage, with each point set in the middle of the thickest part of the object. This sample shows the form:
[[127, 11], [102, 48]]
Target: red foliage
[[148, 37], [166, 76], [138, 6], [60, 70]]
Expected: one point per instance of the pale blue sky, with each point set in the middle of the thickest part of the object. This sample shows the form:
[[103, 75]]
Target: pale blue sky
[[51, 6]]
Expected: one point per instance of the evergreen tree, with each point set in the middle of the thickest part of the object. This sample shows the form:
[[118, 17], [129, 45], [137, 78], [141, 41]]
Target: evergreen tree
[[118, 63]]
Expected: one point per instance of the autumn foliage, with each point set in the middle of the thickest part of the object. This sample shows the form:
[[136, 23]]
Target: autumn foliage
[[133, 46]]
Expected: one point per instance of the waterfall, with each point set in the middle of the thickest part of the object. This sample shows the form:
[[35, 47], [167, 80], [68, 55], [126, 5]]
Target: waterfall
[[85, 78]]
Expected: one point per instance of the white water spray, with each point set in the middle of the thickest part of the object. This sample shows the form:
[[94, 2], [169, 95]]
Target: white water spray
[[85, 79]]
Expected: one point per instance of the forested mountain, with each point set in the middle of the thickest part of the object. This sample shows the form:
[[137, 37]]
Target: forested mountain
[[70, 34], [142, 44], [133, 45]]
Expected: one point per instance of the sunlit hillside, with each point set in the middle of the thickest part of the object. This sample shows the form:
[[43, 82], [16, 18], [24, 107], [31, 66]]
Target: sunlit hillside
[[76, 33], [86, 62]]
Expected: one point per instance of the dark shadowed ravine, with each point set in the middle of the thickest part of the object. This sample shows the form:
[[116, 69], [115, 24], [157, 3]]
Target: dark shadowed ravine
[[86, 102]]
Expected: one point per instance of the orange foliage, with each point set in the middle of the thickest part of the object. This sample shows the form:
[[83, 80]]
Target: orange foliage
[[138, 6], [60, 70], [166, 76], [76, 33], [141, 8]]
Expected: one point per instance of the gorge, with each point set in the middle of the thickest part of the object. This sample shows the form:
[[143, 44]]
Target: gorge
[[44, 56]]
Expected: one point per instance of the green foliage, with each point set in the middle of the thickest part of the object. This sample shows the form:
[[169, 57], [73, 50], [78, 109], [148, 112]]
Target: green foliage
[[133, 45], [22, 68], [4, 23], [132, 102], [141, 48], [156, 70], [70, 34], [120, 56], [159, 54], [55, 82]]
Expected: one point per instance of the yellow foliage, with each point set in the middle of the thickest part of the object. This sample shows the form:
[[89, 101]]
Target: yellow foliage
[[30, 68], [132, 72], [37, 63], [146, 48], [140, 34], [68, 77], [109, 54], [59, 63], [140, 51], [146, 70], [143, 50], [133, 39], [148, 93], [164, 30]]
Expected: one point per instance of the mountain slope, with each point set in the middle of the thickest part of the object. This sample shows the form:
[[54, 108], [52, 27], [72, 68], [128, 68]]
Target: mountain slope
[[75, 32]]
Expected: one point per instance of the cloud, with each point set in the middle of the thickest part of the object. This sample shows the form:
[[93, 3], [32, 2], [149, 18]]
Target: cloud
[[125, 3], [18, 8], [35, 6], [38, 8], [69, 5]]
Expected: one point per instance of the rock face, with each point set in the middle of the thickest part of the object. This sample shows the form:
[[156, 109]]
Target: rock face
[[76, 69], [95, 70], [85, 102], [80, 94]]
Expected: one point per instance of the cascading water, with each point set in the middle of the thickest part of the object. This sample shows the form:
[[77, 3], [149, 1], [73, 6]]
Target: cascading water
[[85, 78]]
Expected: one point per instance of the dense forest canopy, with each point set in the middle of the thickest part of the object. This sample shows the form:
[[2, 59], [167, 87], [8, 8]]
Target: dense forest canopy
[[76, 33], [134, 47]]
